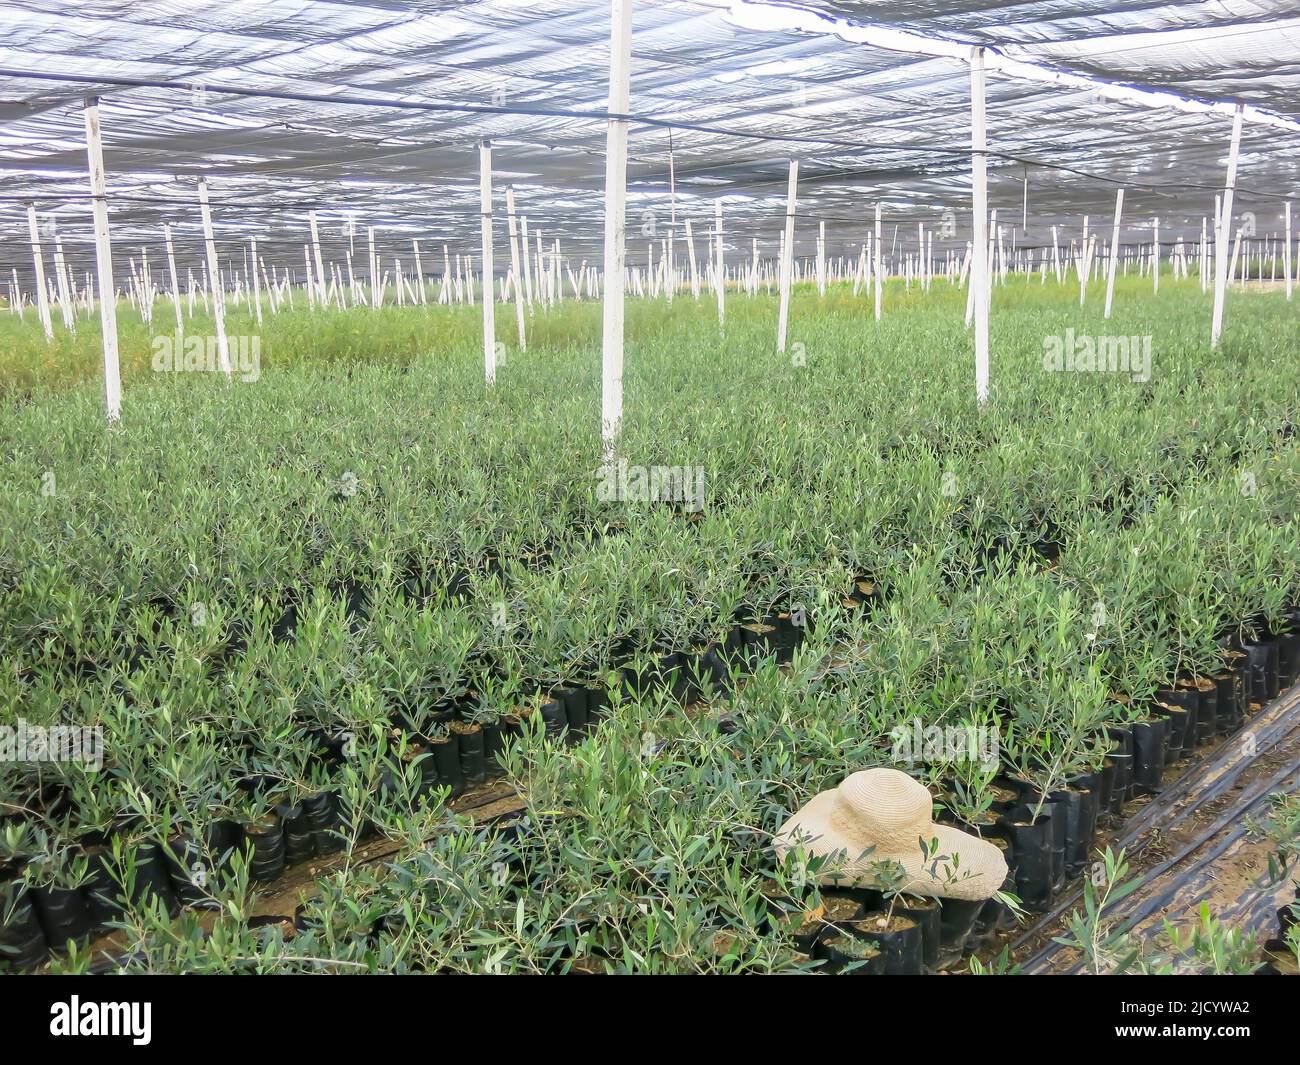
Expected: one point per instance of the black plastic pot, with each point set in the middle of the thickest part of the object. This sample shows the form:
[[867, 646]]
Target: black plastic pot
[[1122, 736], [574, 701], [597, 705], [996, 916], [957, 924], [833, 948], [63, 915], [1207, 709], [926, 914], [469, 742], [1288, 655], [299, 836], [152, 879], [554, 717], [1086, 792], [22, 939], [1031, 849], [446, 758], [787, 635], [102, 894], [1058, 832], [1105, 788], [265, 843], [1227, 702], [1261, 666], [493, 744], [1239, 666], [189, 869], [898, 940], [760, 641], [1149, 739], [1183, 736], [323, 816]]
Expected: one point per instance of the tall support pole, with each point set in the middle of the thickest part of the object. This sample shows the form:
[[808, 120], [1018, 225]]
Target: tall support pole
[[787, 255], [515, 268], [257, 284], [690, 252], [1114, 252], [1155, 256], [61, 282], [611, 361], [489, 304], [876, 269], [1286, 250], [420, 294], [719, 268], [1222, 230], [980, 204], [38, 262], [528, 273], [1203, 264], [375, 291], [103, 261], [214, 274], [171, 273], [320, 266]]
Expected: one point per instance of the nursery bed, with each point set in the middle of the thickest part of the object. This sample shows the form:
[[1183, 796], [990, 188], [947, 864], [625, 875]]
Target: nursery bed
[[388, 552]]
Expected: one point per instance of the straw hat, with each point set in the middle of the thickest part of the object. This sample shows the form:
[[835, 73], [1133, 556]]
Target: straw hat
[[881, 815]]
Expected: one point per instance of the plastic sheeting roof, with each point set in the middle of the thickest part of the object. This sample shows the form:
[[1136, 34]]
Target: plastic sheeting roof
[[1239, 50], [729, 103]]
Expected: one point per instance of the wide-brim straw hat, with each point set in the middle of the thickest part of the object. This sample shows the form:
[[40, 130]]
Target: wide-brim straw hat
[[883, 816]]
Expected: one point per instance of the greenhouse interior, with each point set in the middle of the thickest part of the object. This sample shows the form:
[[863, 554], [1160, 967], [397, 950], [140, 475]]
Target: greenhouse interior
[[684, 487]]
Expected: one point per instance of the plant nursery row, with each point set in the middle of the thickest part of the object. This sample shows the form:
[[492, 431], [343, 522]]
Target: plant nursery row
[[293, 615]]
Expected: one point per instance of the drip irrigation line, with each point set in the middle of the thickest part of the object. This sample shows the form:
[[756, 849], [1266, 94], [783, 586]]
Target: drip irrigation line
[[1149, 904], [1230, 763], [670, 124]]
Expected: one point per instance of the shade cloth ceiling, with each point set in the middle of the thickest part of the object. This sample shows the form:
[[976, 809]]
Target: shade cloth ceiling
[[721, 105]]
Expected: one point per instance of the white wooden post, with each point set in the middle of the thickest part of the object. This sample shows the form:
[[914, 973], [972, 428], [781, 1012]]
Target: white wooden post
[[218, 292], [489, 304], [517, 279], [787, 255], [719, 267], [1114, 252], [1155, 256], [1286, 251], [171, 272], [375, 293], [979, 261], [690, 251], [420, 294], [1221, 231], [257, 284], [103, 261], [64, 289], [320, 266], [877, 270], [38, 260], [611, 361]]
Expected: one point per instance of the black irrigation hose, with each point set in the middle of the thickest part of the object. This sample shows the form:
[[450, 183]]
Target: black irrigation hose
[[1162, 812], [1228, 758], [1151, 903]]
